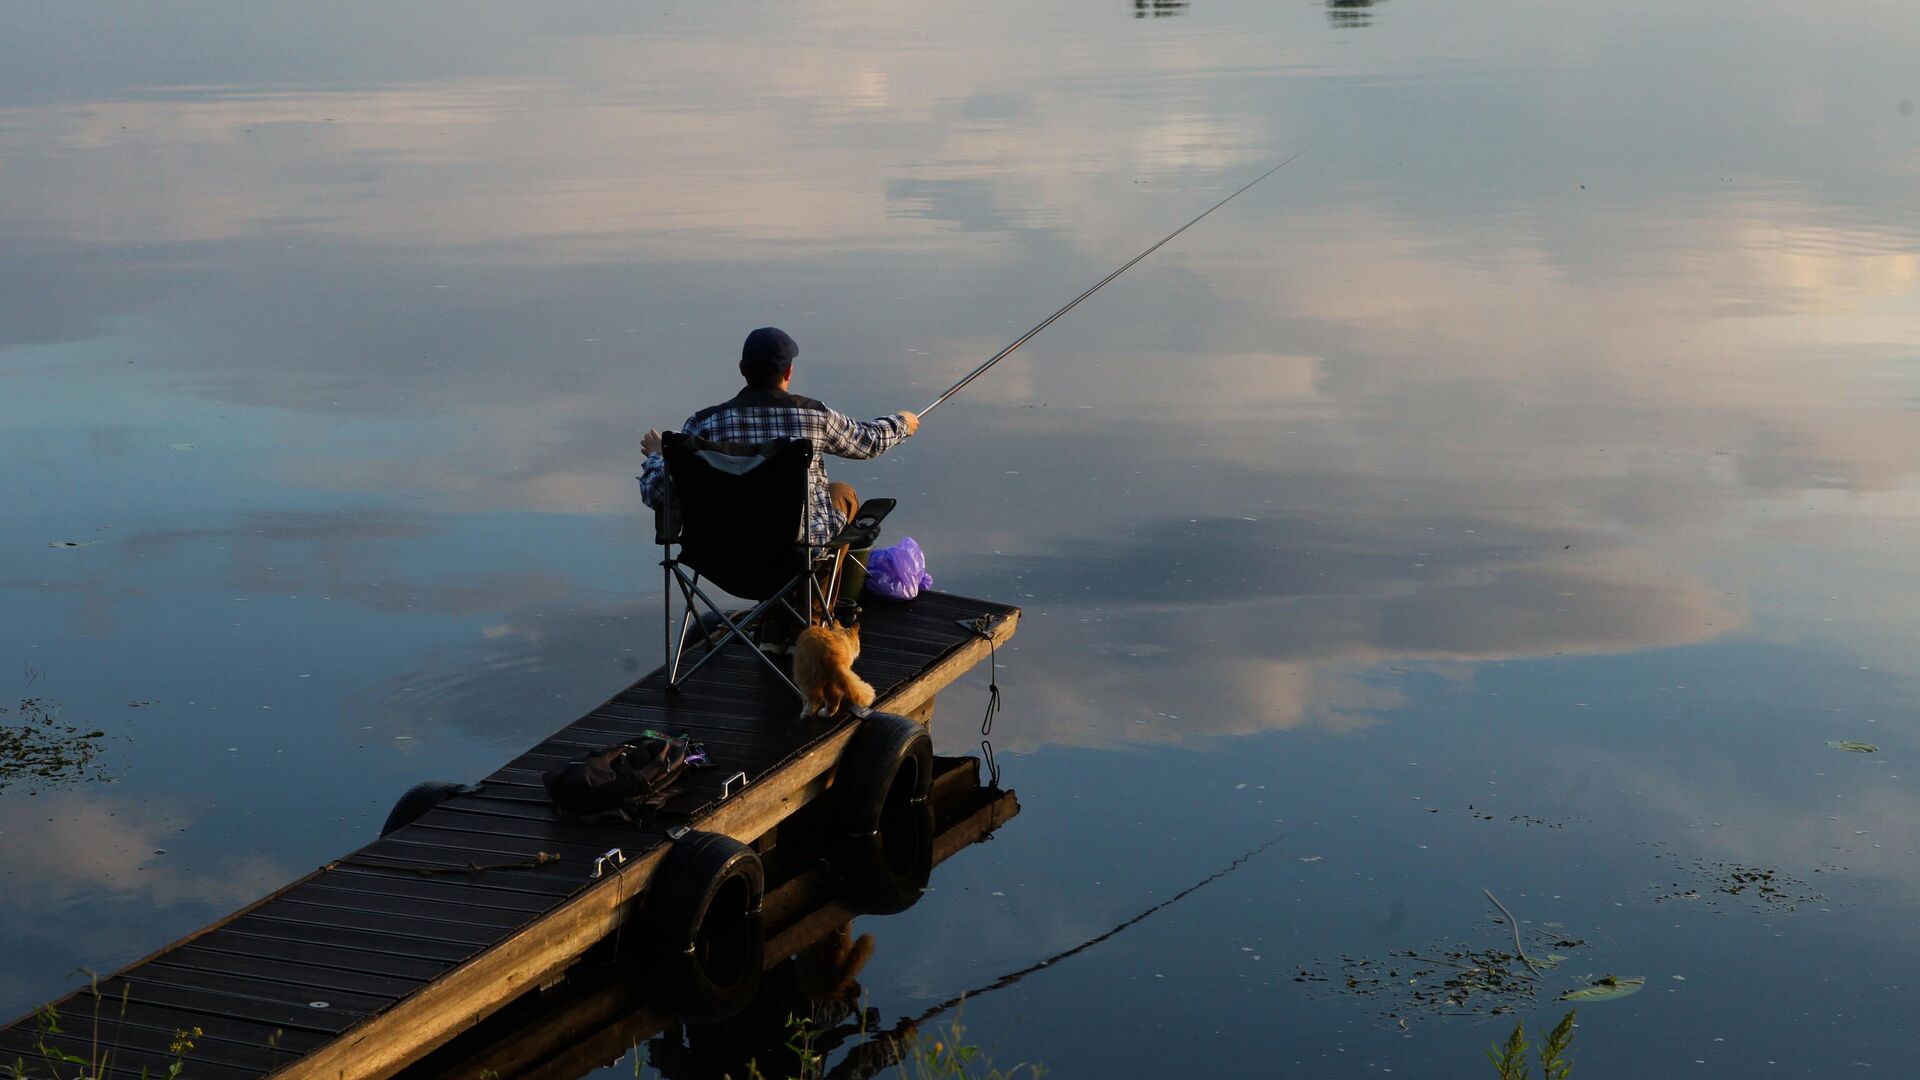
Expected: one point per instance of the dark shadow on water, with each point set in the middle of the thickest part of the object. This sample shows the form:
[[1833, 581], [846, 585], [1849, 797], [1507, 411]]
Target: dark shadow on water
[[1351, 13], [1158, 9]]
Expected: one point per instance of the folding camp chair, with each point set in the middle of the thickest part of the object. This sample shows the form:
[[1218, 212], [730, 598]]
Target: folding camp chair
[[739, 518]]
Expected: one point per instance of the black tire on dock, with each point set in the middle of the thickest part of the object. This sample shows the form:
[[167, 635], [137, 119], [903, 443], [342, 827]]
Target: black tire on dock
[[700, 935], [882, 820], [419, 799]]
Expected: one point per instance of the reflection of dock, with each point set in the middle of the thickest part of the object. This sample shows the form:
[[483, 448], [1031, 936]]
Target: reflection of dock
[[363, 966], [1350, 13], [571, 1031], [1158, 9]]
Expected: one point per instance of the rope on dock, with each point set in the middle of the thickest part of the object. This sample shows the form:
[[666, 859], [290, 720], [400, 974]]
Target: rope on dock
[[983, 626], [539, 860]]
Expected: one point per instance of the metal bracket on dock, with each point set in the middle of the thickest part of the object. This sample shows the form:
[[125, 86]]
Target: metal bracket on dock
[[614, 858], [727, 790], [983, 625]]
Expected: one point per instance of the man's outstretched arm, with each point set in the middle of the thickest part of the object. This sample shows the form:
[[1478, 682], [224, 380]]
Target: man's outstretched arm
[[850, 438]]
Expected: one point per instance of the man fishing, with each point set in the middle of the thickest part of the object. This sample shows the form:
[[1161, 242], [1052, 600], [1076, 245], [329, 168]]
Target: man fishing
[[764, 409]]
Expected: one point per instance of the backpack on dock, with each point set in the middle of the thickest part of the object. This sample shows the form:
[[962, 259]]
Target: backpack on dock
[[625, 777]]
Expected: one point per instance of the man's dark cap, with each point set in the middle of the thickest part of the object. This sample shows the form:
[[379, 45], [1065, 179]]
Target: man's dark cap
[[768, 351]]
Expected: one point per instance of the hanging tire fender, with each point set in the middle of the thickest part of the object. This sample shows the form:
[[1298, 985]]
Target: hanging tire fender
[[882, 819], [419, 799], [701, 937]]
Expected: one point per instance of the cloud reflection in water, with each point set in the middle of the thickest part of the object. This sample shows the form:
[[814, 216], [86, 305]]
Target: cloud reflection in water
[[1554, 349]]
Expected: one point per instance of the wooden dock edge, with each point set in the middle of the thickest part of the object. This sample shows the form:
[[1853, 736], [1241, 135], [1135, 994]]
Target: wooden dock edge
[[382, 1045], [590, 1031]]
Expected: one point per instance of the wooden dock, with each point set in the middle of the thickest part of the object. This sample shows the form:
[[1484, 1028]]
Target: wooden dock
[[365, 965], [593, 1021]]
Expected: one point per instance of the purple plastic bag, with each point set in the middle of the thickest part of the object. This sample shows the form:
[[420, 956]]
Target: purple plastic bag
[[898, 572]]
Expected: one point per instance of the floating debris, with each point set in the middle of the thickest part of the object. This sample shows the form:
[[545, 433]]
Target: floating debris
[[1444, 979], [1489, 981], [1524, 819], [41, 749], [1606, 988], [1854, 747], [1762, 887]]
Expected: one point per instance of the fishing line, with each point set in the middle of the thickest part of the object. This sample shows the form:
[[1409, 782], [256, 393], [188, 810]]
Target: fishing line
[[1012, 977], [1098, 285], [885, 1049]]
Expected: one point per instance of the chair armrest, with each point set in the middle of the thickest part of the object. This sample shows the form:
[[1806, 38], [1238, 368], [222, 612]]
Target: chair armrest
[[863, 528]]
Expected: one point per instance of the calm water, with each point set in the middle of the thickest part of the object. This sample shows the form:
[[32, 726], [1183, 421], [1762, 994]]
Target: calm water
[[1517, 492]]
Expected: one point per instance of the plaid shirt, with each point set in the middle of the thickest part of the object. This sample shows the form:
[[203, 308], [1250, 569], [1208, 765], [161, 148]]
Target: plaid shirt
[[758, 414]]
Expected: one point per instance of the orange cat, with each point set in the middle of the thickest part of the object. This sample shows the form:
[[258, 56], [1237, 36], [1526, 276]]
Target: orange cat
[[823, 670]]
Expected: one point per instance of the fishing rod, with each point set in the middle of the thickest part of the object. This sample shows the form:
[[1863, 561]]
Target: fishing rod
[[1098, 285]]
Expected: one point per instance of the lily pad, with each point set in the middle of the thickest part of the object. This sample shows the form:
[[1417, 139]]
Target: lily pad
[[1854, 747], [1606, 989]]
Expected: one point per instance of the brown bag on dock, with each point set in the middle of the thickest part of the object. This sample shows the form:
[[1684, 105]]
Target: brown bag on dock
[[626, 777]]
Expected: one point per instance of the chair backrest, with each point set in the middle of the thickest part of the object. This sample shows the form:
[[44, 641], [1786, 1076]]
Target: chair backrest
[[742, 510]]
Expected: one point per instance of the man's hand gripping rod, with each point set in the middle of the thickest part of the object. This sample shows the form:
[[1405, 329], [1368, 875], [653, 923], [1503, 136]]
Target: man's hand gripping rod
[[1098, 285]]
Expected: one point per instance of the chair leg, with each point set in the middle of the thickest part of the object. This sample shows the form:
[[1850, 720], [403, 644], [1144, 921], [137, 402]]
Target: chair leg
[[831, 593], [677, 643], [736, 628], [791, 613]]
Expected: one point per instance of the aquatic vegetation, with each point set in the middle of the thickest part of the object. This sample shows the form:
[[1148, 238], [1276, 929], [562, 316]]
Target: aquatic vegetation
[[1454, 980], [948, 1056], [1757, 886], [1510, 1059], [39, 747], [1606, 988], [944, 1055], [65, 1055], [1852, 747], [1442, 980]]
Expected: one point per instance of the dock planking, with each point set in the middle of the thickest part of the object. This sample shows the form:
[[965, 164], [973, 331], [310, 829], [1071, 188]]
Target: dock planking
[[361, 967]]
